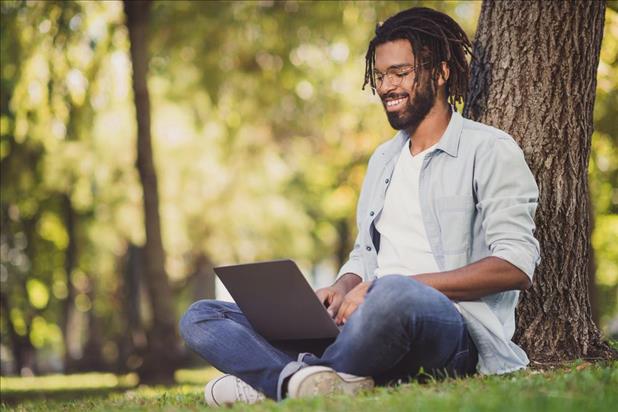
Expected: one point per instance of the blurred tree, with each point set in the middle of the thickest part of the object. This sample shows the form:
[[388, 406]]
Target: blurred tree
[[17, 219], [52, 55], [162, 353], [33, 210], [603, 177], [536, 81]]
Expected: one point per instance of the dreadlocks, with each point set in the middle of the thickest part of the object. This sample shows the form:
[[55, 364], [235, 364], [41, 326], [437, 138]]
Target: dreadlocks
[[435, 38]]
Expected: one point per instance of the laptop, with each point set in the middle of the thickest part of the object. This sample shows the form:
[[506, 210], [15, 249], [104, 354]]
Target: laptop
[[278, 301]]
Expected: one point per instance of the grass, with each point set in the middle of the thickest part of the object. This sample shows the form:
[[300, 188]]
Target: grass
[[581, 386]]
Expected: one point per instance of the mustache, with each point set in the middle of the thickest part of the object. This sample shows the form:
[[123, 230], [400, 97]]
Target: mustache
[[393, 96]]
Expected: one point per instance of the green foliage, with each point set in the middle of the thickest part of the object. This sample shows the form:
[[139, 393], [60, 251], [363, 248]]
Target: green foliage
[[576, 388], [603, 172], [605, 242]]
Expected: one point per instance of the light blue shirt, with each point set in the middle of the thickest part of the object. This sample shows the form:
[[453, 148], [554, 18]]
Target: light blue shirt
[[478, 199]]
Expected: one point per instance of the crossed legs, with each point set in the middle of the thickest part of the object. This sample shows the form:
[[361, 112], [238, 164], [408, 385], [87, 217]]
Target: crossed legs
[[402, 326]]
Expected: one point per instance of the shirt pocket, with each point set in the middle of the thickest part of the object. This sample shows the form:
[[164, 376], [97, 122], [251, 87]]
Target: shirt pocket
[[455, 217]]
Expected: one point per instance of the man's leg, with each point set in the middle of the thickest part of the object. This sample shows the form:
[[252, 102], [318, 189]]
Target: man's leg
[[403, 325], [221, 334]]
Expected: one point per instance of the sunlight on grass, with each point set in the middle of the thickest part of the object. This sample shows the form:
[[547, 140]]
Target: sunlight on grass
[[196, 376], [98, 380]]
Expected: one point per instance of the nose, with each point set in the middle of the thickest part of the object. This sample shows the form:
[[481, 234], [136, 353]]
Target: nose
[[385, 88]]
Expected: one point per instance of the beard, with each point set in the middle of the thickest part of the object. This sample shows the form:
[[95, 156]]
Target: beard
[[416, 109]]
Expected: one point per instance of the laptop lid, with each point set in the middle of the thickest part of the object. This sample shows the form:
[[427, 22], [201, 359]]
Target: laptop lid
[[277, 300]]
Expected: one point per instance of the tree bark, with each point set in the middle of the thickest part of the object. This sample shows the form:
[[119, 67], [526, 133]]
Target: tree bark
[[163, 352], [534, 76]]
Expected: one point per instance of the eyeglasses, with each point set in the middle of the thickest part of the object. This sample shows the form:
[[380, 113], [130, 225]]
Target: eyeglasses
[[395, 75]]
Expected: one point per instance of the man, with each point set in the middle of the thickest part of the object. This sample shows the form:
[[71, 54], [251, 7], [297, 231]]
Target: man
[[445, 242]]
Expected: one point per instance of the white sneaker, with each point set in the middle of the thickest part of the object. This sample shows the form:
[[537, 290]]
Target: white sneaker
[[322, 380], [228, 389]]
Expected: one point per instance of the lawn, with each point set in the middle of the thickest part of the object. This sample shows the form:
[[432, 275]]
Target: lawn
[[579, 387]]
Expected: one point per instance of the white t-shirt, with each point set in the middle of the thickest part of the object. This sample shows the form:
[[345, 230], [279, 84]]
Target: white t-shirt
[[404, 248]]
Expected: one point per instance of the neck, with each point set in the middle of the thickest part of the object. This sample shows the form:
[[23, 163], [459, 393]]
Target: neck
[[431, 129]]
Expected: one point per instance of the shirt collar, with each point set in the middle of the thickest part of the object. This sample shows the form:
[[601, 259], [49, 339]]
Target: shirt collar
[[449, 142]]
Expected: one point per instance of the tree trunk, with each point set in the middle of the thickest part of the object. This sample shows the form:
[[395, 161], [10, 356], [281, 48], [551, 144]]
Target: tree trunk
[[343, 241], [92, 359], [163, 352], [535, 76], [70, 261], [24, 353], [132, 344], [204, 286]]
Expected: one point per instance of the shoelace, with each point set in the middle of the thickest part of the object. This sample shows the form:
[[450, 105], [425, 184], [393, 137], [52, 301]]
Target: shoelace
[[245, 392]]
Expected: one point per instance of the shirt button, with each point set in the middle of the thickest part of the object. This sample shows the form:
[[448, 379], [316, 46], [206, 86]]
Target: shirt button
[[371, 213], [368, 248], [386, 181]]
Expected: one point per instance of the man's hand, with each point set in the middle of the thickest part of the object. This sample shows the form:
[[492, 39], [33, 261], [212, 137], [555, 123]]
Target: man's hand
[[351, 301], [332, 296]]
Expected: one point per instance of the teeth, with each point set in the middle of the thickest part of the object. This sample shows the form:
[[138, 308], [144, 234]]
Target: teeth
[[392, 103]]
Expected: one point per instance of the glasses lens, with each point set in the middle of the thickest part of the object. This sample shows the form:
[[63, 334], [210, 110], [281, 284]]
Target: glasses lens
[[394, 77], [378, 79]]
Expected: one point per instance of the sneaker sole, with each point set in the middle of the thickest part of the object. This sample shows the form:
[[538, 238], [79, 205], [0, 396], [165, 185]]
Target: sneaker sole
[[312, 381]]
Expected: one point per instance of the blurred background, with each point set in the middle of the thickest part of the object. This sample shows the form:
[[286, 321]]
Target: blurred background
[[260, 132]]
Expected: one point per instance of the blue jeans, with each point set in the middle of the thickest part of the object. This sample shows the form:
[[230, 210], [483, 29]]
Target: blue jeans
[[402, 326]]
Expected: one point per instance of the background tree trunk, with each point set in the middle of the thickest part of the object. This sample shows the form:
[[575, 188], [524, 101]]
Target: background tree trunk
[[92, 358], [162, 356], [203, 278], [535, 77], [70, 262], [24, 353]]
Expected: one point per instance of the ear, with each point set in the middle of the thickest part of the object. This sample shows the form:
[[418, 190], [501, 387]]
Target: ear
[[443, 75]]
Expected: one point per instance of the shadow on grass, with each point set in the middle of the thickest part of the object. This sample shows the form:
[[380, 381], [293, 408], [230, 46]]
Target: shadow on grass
[[14, 397], [91, 386]]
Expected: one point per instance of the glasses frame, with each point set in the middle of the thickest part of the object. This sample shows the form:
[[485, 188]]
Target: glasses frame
[[395, 75]]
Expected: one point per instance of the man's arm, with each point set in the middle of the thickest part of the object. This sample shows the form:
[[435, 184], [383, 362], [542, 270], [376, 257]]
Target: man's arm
[[348, 281], [478, 279], [485, 277]]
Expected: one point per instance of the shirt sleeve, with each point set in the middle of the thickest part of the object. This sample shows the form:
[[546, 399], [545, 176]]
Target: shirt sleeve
[[507, 198], [355, 263]]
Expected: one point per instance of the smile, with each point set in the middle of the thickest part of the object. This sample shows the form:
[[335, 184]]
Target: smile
[[395, 104]]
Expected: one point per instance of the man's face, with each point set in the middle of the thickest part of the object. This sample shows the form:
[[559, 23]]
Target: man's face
[[406, 104]]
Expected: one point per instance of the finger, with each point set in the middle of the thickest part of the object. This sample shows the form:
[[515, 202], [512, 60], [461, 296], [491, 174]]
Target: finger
[[333, 308], [349, 310], [341, 312], [329, 298], [323, 296]]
